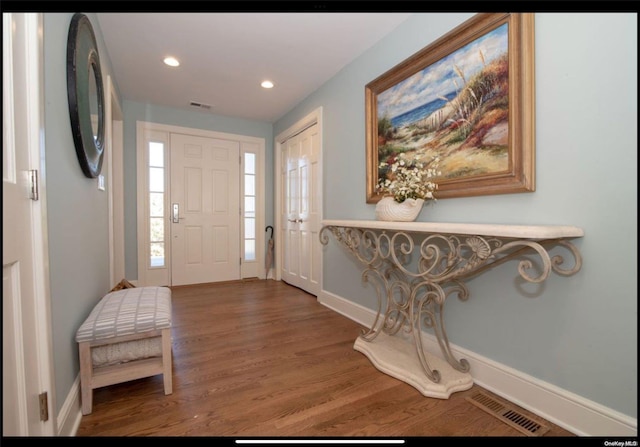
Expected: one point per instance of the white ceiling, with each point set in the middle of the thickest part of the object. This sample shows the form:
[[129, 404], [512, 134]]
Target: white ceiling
[[225, 56]]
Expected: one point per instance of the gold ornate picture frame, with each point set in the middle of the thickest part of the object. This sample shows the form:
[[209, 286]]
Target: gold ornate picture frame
[[468, 99]]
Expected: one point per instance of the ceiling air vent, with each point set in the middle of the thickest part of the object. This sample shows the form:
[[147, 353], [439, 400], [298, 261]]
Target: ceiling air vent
[[199, 105], [508, 414]]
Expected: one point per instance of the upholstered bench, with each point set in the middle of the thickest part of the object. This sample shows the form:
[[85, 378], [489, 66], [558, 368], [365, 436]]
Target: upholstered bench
[[126, 336]]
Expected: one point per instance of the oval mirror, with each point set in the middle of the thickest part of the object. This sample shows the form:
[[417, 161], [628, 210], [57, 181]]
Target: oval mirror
[[85, 90]]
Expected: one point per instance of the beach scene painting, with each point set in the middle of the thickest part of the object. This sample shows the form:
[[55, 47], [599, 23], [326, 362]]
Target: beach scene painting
[[456, 109]]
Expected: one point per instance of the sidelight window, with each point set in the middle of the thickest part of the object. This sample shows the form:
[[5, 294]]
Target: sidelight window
[[249, 206], [156, 204]]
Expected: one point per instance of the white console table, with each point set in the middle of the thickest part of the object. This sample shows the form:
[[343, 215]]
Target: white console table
[[416, 266]]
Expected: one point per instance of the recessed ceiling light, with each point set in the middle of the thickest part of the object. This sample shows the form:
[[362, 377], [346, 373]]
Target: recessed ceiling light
[[171, 61], [267, 84]]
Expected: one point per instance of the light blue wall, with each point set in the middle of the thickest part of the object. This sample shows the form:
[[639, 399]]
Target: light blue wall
[[135, 111], [578, 333], [77, 212]]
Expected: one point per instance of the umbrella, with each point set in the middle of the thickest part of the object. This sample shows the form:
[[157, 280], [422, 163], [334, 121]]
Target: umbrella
[[269, 259]]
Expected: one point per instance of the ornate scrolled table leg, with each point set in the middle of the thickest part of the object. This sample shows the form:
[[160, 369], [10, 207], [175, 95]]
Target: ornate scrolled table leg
[[415, 272]]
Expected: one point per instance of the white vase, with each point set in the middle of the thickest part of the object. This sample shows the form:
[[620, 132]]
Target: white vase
[[390, 210]]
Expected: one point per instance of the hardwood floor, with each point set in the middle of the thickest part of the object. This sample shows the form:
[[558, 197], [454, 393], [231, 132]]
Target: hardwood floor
[[262, 358]]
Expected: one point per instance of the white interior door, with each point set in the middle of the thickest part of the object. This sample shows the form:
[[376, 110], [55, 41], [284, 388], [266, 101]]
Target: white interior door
[[204, 210], [301, 203], [25, 342]]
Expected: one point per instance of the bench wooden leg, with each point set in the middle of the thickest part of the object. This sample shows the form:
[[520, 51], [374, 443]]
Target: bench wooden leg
[[167, 361], [86, 373]]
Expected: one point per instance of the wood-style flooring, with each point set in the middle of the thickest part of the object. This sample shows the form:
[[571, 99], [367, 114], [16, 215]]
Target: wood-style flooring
[[261, 358]]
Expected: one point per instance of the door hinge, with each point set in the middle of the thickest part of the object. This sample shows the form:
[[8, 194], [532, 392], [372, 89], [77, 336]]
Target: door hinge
[[44, 406], [33, 179]]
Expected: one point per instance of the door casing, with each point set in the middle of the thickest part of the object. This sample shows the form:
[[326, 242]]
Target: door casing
[[115, 182]]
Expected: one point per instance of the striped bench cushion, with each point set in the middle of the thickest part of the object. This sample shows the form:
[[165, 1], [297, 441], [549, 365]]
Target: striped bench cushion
[[126, 312]]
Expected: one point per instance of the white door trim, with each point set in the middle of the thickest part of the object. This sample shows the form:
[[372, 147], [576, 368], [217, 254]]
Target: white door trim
[[312, 118], [247, 143], [115, 182]]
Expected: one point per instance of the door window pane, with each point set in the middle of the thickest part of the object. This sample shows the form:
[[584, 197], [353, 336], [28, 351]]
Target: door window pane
[[249, 163], [157, 254], [250, 228], [156, 179], [249, 250], [156, 155], [249, 206], [156, 204], [249, 185], [156, 229]]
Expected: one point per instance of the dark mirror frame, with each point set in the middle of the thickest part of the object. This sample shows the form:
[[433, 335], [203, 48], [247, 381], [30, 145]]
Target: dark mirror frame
[[82, 62]]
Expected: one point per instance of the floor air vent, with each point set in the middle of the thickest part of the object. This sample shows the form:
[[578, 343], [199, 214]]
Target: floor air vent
[[508, 414]]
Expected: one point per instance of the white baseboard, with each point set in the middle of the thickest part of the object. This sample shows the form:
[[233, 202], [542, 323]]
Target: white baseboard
[[70, 414], [574, 413]]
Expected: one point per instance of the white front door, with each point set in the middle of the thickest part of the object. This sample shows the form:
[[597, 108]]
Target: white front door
[[204, 210], [25, 342], [301, 203]]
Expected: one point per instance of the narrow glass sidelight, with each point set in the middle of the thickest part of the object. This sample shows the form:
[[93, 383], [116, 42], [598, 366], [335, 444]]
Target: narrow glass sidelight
[[249, 215], [156, 197]]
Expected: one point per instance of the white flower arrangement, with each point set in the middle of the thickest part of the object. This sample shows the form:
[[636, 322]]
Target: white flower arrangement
[[408, 178]]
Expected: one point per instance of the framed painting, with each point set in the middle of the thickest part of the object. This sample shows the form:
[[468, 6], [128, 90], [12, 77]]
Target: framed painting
[[467, 99]]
